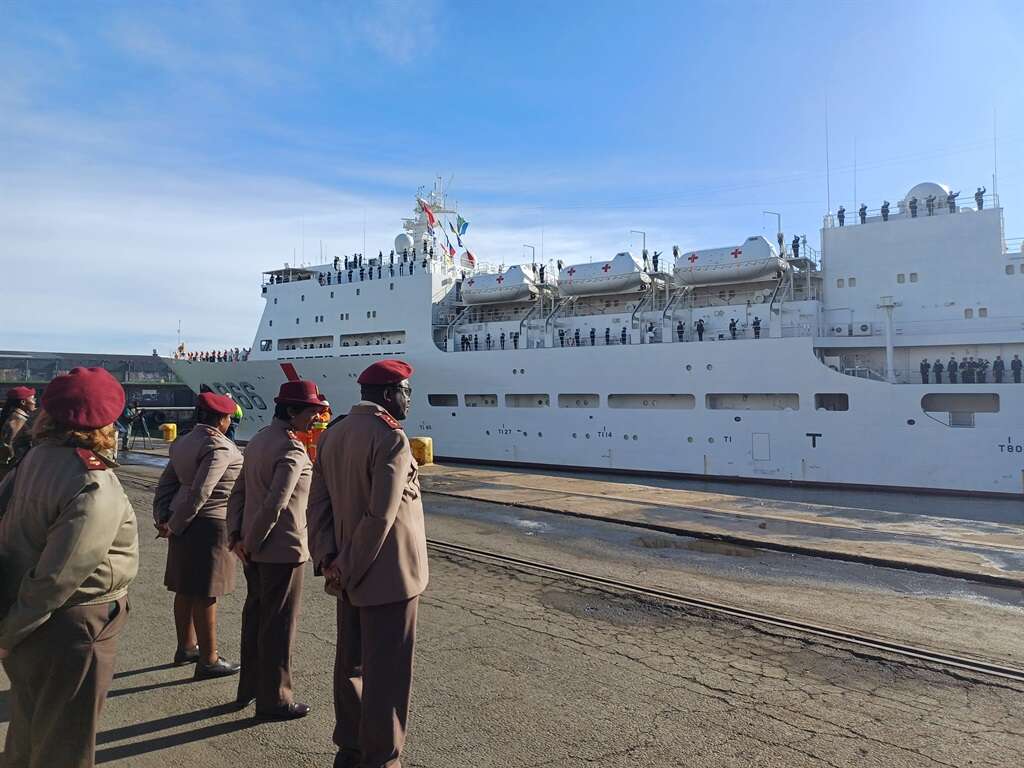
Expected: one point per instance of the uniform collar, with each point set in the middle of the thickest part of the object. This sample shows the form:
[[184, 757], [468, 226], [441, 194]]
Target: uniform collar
[[367, 406], [21, 412]]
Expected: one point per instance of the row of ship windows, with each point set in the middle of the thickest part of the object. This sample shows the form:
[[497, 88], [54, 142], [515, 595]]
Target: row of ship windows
[[751, 401], [302, 297], [902, 277], [370, 314]]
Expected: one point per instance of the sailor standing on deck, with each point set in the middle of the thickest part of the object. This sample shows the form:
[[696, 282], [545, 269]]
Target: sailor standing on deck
[[937, 370], [913, 207], [1015, 368], [998, 369], [951, 201], [756, 325], [732, 328], [369, 541], [979, 198], [267, 531], [952, 368], [841, 215], [863, 213], [700, 329], [930, 204], [70, 548], [885, 210], [680, 330], [925, 368]]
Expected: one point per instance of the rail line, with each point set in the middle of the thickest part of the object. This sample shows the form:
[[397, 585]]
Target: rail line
[[871, 644]]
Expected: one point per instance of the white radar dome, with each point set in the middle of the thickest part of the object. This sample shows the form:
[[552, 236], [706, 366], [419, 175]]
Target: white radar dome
[[403, 242], [922, 191]]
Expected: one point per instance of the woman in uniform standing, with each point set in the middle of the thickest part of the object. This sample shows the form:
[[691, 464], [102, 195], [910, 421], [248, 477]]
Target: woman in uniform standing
[[267, 530], [190, 510], [69, 548]]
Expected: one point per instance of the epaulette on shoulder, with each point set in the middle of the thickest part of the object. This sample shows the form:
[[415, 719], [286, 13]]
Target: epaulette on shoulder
[[388, 419], [90, 460]]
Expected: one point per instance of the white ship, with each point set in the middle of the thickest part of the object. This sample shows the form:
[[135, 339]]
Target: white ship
[[598, 364]]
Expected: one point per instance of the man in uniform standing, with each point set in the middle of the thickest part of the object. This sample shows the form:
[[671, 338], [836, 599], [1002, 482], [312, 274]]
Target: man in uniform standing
[[841, 215], [998, 369], [1015, 367], [700, 329], [979, 198], [622, 336], [680, 330], [925, 368], [368, 539], [756, 325], [937, 369], [952, 368], [732, 328], [885, 210], [863, 213]]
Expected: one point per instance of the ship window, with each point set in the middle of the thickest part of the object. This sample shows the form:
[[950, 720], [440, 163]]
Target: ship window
[[658, 401], [271, 323], [852, 282], [901, 278], [959, 408], [445, 401], [302, 297], [266, 345], [968, 313], [983, 312], [367, 315], [357, 291], [832, 401], [391, 287], [1009, 271], [527, 401], [332, 294], [840, 283], [481, 401], [296, 321], [913, 277], [579, 401], [753, 401]]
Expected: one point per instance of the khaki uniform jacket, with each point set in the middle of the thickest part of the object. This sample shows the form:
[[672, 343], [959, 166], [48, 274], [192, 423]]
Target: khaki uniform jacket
[[68, 537], [9, 431], [267, 508], [365, 508], [198, 479]]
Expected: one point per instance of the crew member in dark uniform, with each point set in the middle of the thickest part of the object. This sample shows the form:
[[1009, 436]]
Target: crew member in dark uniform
[[998, 369], [925, 368], [952, 368], [576, 337], [593, 336], [979, 197], [756, 325], [607, 336], [623, 335], [967, 370], [885, 210], [929, 203], [913, 207], [732, 328], [1015, 368], [795, 245], [561, 336], [700, 329], [501, 339], [680, 330], [863, 213], [841, 215], [937, 370], [982, 370], [951, 201]]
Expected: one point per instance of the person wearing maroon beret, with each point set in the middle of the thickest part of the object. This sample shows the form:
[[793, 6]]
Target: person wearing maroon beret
[[190, 509], [16, 415], [368, 539], [267, 531], [69, 546]]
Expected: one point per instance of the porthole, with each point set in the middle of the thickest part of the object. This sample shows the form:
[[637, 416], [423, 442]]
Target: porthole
[[522, 370], [711, 439], [911, 422], [689, 439], [587, 435], [625, 437], [634, 437], [453, 413], [737, 418], [514, 371], [709, 366], [540, 434], [689, 367]]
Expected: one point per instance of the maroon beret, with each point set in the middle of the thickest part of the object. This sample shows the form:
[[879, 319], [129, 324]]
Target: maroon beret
[[214, 403], [84, 398], [20, 393], [298, 392], [385, 372]]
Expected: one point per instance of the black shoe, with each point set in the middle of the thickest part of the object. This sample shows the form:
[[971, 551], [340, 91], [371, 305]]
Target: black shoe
[[191, 656], [219, 668], [292, 711], [347, 758]]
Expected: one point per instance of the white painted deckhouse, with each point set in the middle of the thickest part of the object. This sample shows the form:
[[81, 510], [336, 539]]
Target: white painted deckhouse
[[598, 364]]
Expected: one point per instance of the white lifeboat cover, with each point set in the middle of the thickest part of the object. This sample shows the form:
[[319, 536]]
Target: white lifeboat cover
[[622, 273], [755, 259], [514, 284]]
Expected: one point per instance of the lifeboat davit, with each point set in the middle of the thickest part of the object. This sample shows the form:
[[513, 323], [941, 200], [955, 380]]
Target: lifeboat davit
[[618, 275], [514, 284], [754, 260]]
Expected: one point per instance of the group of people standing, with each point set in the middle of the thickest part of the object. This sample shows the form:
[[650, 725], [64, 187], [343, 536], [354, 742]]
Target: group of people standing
[[216, 356], [69, 547], [912, 206], [970, 370]]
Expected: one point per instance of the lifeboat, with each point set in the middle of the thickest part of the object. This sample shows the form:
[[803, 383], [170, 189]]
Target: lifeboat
[[754, 260], [514, 284], [618, 275]]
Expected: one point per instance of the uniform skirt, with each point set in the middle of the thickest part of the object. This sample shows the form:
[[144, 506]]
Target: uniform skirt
[[199, 563]]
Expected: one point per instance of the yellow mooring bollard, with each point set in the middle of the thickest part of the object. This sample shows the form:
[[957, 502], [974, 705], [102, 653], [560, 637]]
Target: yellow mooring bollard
[[170, 432], [422, 449]]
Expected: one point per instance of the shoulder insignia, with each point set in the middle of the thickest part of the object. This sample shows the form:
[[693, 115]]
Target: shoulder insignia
[[388, 419], [89, 459]]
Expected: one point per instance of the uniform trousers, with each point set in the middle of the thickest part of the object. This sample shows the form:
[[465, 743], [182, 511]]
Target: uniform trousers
[[373, 682], [59, 676], [269, 620]]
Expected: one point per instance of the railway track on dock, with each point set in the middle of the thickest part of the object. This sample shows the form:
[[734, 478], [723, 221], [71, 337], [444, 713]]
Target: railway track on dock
[[883, 649]]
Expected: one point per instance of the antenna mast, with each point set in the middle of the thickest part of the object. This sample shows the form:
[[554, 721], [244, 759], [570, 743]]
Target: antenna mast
[[828, 175]]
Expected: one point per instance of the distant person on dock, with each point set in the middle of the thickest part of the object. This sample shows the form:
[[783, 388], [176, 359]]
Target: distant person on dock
[[951, 201], [937, 370], [952, 367], [998, 369], [925, 368], [841, 215], [1015, 368], [70, 548], [756, 325], [700, 329], [885, 210], [190, 508], [368, 540], [929, 203], [979, 198], [863, 213]]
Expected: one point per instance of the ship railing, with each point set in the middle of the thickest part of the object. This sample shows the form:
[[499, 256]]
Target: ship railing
[[899, 210]]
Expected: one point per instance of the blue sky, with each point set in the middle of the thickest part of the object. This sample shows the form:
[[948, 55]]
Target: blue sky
[[155, 157]]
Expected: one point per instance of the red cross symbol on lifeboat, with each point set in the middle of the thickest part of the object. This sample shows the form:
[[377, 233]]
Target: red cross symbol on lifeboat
[[570, 271], [736, 253], [692, 258], [605, 268], [500, 280]]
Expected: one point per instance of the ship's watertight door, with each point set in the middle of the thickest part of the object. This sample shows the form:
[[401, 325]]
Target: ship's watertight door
[[761, 449]]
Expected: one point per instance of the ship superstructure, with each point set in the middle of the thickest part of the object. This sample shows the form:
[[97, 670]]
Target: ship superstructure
[[741, 361]]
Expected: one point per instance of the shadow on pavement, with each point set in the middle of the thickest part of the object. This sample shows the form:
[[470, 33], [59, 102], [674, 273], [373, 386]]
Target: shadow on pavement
[[125, 751], [143, 670], [149, 687]]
